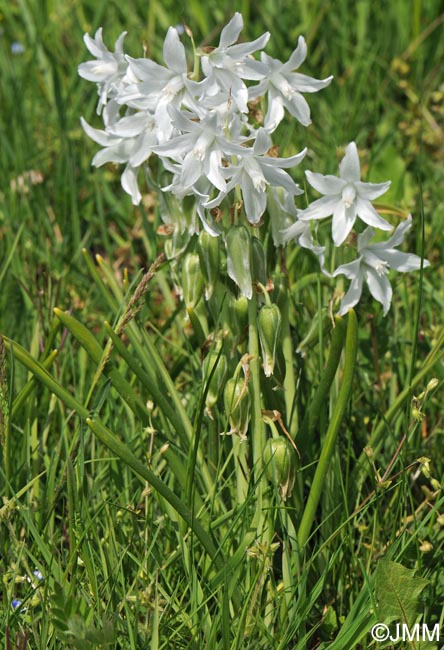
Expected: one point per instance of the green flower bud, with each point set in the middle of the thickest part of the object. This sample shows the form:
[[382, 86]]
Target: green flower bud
[[258, 261], [238, 246], [209, 254], [192, 280], [237, 406], [238, 309], [269, 325], [280, 464], [219, 363]]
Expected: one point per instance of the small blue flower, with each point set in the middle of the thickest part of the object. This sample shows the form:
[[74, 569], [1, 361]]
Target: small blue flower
[[38, 574], [16, 604], [17, 48]]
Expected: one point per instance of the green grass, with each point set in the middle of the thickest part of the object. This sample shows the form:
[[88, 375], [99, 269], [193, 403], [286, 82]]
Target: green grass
[[116, 485]]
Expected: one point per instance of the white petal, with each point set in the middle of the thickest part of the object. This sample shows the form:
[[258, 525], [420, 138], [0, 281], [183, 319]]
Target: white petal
[[214, 171], [397, 237], [255, 202], [286, 163], [367, 213], [352, 296], [350, 270], [278, 178], [298, 107], [343, 220], [379, 286], [350, 169], [298, 56], [129, 184], [231, 31], [242, 50], [174, 52], [320, 209], [99, 70], [305, 84], [129, 126], [402, 261], [371, 191], [101, 137], [326, 184], [95, 45], [275, 113], [262, 143]]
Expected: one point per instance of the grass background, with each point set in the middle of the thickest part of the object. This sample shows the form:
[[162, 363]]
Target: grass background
[[117, 569]]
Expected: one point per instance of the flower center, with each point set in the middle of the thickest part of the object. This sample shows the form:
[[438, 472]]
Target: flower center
[[348, 195]]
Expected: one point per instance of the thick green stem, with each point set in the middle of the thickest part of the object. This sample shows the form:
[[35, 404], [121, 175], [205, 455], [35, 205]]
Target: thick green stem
[[351, 349]]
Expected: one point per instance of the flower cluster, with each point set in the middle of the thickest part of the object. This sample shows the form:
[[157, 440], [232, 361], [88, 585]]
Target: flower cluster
[[200, 128]]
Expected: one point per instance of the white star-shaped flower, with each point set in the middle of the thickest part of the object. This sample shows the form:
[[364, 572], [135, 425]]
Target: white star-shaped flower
[[346, 197], [373, 265], [285, 87], [108, 70]]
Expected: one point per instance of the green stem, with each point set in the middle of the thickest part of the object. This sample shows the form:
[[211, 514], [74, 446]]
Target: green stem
[[351, 349], [257, 423], [290, 377], [328, 374]]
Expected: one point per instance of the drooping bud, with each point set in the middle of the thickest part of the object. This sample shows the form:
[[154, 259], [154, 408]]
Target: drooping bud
[[214, 371], [209, 254], [258, 261], [192, 280], [237, 406], [238, 246], [280, 464], [269, 325]]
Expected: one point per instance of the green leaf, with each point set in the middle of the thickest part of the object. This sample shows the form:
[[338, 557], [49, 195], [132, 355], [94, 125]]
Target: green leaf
[[397, 590]]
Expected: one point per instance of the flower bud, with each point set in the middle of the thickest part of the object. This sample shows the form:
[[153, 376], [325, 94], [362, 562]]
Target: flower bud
[[269, 325], [192, 280], [238, 246], [209, 254], [258, 261], [216, 379], [237, 406], [280, 464], [238, 309]]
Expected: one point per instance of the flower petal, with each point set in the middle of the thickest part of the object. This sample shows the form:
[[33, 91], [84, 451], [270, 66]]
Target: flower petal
[[350, 169], [379, 286], [298, 56], [343, 220], [367, 213], [353, 295], [323, 207], [231, 31], [326, 184], [129, 184], [174, 52], [275, 113], [402, 261], [371, 191]]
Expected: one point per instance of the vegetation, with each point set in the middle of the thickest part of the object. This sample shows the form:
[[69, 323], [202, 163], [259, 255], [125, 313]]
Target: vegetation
[[127, 521]]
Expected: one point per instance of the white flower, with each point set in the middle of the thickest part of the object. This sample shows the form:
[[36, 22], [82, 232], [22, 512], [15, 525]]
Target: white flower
[[228, 64], [198, 150], [346, 197], [128, 140], [108, 70], [285, 87], [286, 225], [373, 265], [254, 172], [159, 87]]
